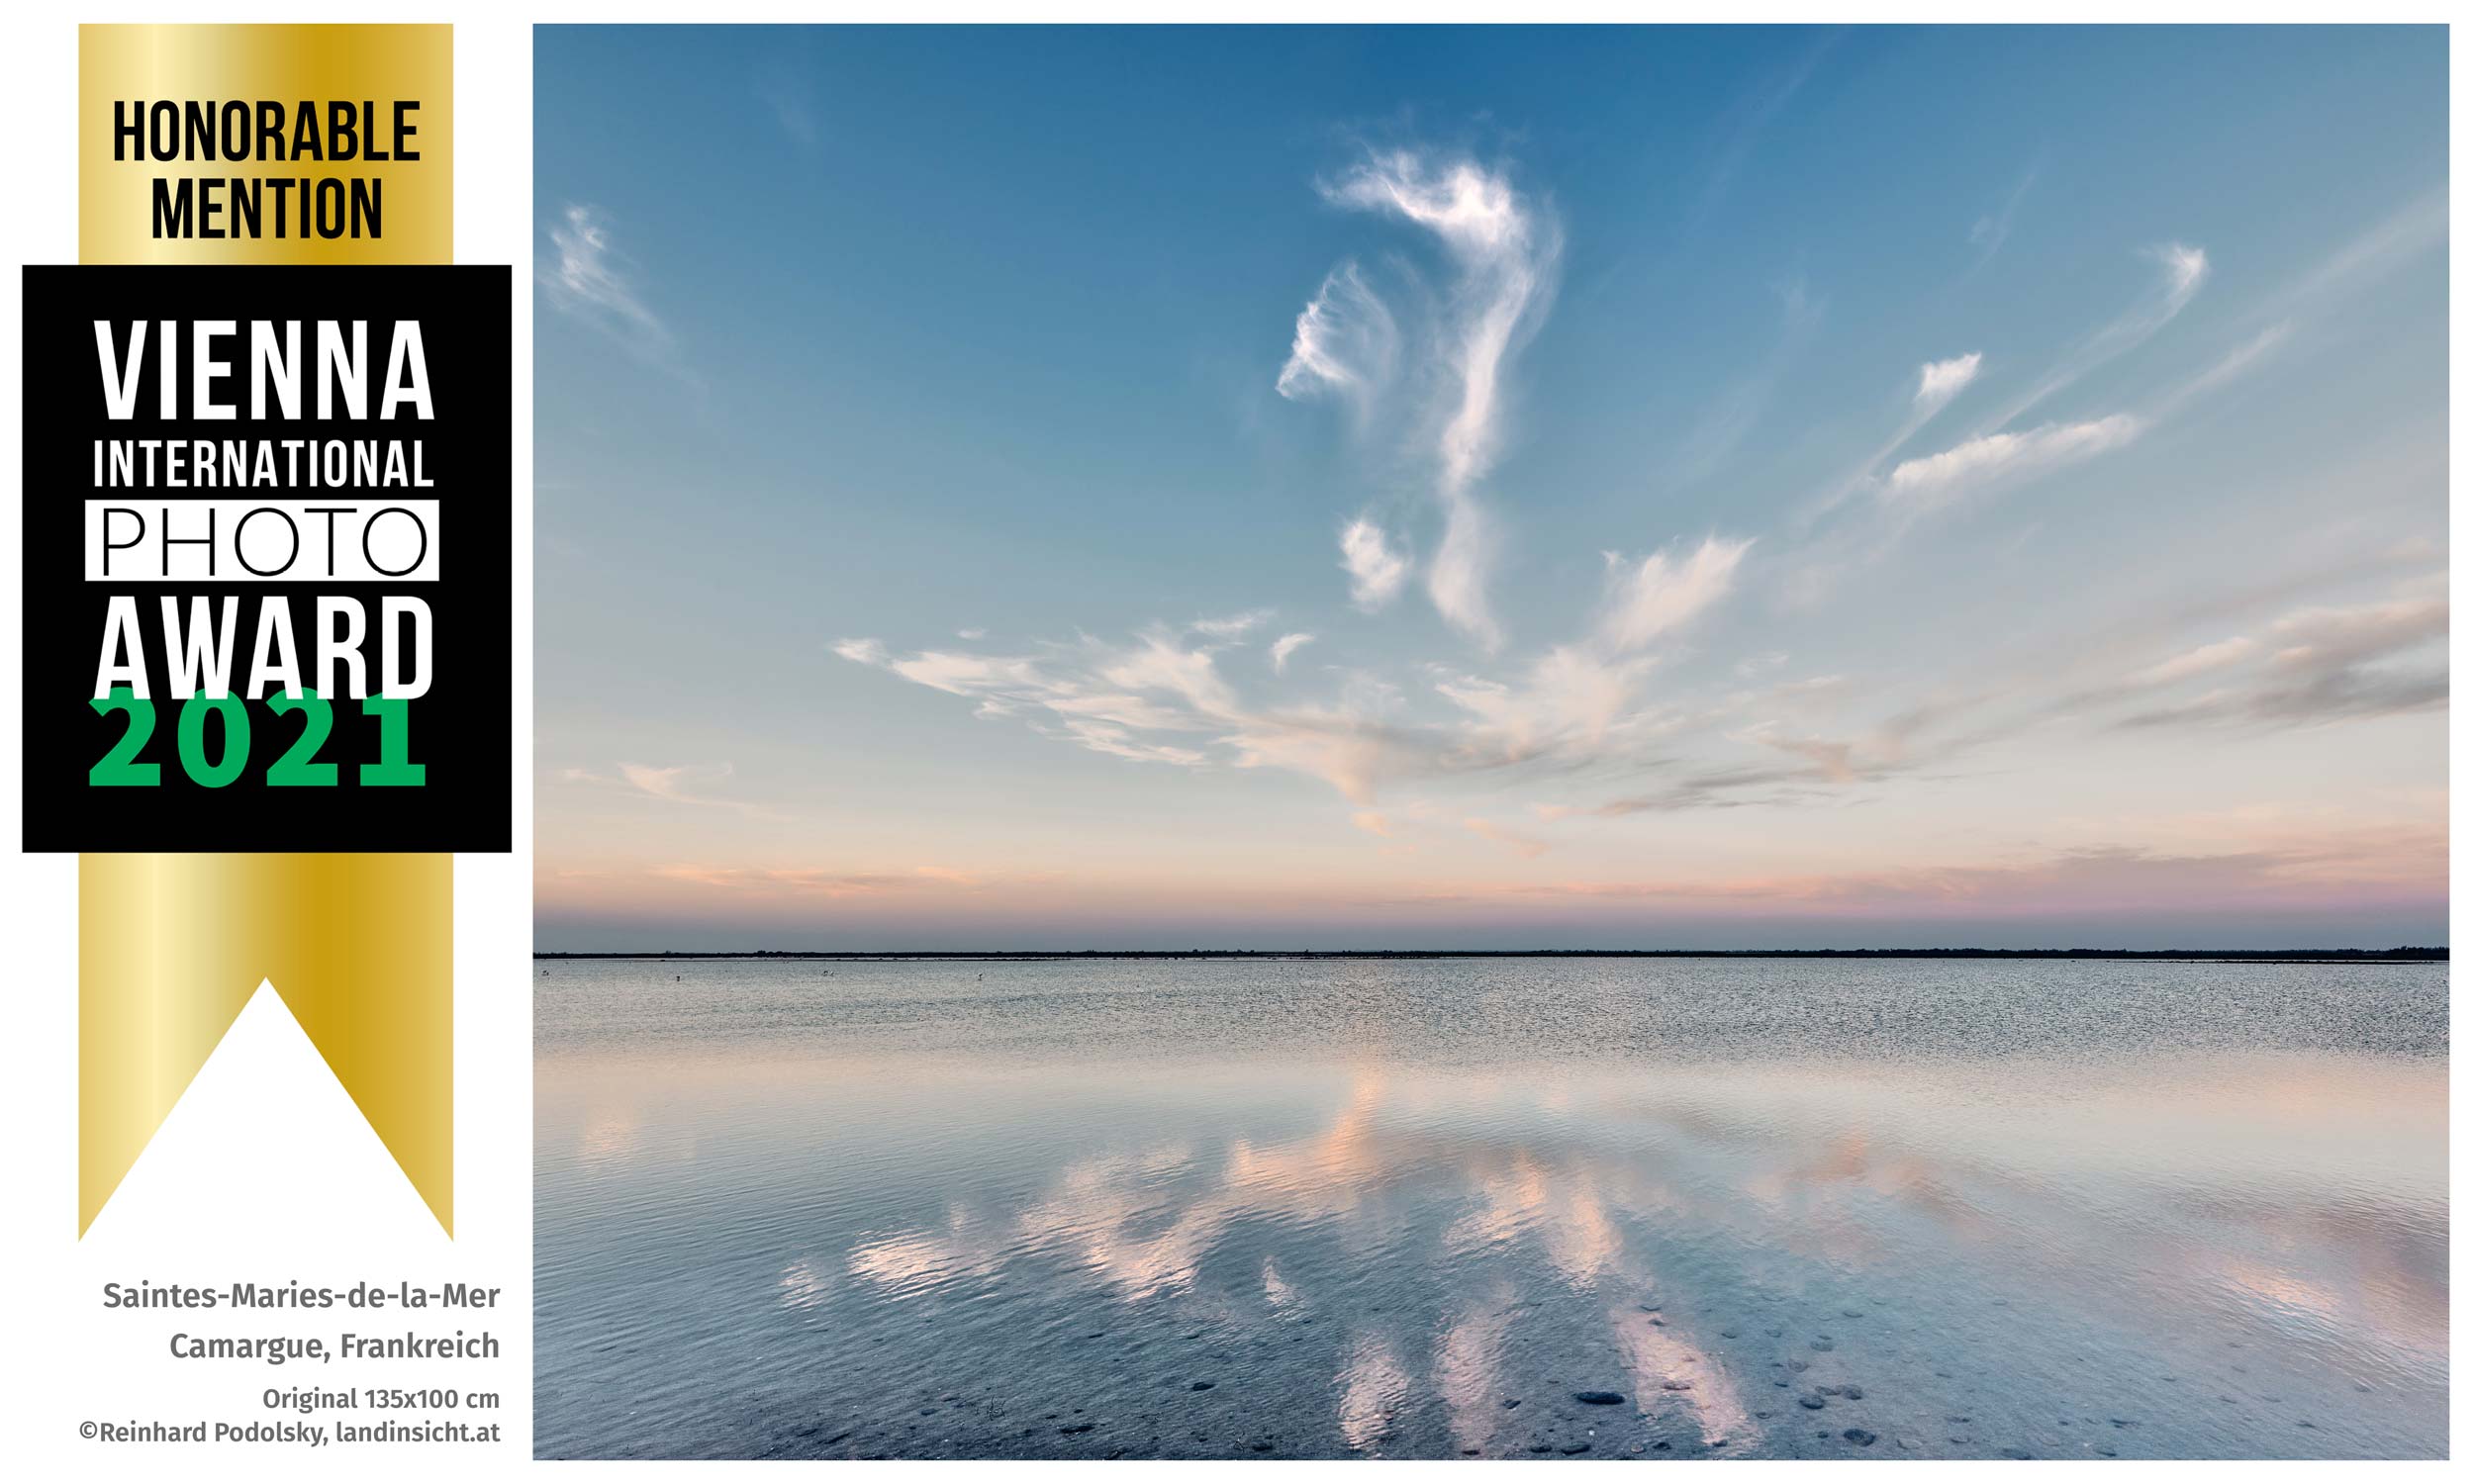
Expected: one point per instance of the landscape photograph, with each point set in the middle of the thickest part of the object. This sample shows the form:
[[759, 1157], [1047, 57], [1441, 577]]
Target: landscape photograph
[[1451, 742]]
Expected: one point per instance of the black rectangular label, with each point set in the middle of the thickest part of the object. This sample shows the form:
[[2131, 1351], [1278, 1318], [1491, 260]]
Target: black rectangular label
[[313, 465]]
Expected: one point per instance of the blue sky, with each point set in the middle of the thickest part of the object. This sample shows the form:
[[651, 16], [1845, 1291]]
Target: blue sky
[[1735, 487]]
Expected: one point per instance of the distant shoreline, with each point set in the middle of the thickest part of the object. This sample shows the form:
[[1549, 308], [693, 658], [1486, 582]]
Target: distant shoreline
[[2107, 954]]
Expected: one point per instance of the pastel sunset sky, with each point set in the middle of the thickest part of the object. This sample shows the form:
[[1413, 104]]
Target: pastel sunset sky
[[1658, 488]]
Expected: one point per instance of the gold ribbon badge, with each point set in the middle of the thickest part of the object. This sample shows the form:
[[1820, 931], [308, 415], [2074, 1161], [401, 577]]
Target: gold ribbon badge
[[361, 948]]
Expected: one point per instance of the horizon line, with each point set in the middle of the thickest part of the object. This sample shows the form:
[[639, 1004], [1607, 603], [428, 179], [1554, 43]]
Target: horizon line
[[2402, 954]]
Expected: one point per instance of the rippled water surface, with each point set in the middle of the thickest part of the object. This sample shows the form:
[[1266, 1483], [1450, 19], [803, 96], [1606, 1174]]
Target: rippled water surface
[[1417, 1208]]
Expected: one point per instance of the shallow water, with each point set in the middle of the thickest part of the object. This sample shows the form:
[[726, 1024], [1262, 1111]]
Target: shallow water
[[1412, 1209]]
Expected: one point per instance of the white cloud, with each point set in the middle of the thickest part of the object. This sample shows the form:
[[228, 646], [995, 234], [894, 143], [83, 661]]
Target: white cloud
[[1503, 254], [1941, 478], [2200, 660], [587, 279], [1939, 381], [1231, 626], [1346, 341], [2186, 269], [2237, 362], [1457, 578], [1285, 646], [1666, 591], [1376, 572], [680, 783], [2185, 272]]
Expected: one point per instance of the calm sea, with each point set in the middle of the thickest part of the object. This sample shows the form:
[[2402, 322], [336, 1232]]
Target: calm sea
[[1418, 1209]]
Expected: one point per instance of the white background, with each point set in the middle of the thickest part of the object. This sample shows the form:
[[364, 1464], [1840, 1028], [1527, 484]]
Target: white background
[[261, 1180]]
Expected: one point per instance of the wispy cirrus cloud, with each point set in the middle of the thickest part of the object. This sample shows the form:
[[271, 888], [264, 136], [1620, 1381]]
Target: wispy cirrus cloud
[[2321, 664], [2204, 660], [1665, 590], [676, 783], [1346, 343], [1502, 251], [2182, 270], [1579, 718], [1942, 478], [585, 276]]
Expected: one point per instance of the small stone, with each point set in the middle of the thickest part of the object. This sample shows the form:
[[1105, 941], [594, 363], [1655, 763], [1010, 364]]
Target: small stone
[[1510, 1402], [1599, 1398], [1576, 1448], [1851, 1393], [1824, 1344], [1811, 1401], [1851, 1313], [1688, 1386], [2017, 1453], [1859, 1437], [1072, 1428], [1202, 1386]]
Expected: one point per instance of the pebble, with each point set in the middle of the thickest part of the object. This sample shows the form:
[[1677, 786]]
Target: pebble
[[1859, 1437], [1688, 1386], [1202, 1386], [1576, 1448], [2017, 1453], [1599, 1398], [1812, 1401], [1072, 1428]]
